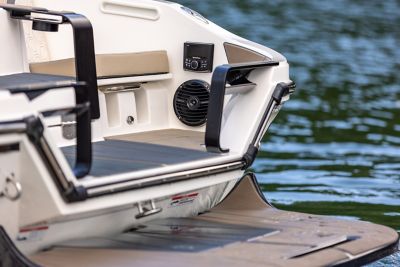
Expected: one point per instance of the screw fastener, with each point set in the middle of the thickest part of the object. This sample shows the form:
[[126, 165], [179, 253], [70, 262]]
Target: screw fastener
[[130, 120]]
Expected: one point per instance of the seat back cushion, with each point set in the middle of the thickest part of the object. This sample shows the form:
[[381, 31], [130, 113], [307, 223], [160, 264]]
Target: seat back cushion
[[111, 65]]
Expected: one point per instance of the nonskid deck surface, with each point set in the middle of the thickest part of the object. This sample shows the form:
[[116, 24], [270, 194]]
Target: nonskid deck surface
[[172, 137], [143, 151], [28, 80], [242, 231], [175, 235]]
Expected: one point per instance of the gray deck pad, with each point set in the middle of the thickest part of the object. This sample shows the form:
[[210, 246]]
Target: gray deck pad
[[180, 235], [28, 80], [169, 137], [242, 231], [115, 157]]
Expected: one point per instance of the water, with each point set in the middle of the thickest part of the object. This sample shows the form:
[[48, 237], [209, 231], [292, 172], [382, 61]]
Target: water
[[335, 148]]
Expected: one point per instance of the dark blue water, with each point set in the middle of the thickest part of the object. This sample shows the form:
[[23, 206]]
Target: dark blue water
[[335, 147]]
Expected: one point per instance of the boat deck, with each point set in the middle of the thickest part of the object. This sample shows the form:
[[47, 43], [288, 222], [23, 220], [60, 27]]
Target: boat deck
[[135, 152], [242, 231]]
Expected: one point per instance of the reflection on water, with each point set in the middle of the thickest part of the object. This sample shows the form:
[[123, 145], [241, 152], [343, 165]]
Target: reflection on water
[[338, 140]]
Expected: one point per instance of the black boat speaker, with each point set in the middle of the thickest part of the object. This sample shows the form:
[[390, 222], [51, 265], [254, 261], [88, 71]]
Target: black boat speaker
[[191, 102]]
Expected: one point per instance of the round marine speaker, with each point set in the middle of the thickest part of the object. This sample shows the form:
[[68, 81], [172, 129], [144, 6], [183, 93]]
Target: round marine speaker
[[191, 102]]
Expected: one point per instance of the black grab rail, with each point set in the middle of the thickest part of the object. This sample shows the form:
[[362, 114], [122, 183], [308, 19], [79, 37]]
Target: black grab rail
[[83, 161], [232, 74], [85, 62], [86, 94]]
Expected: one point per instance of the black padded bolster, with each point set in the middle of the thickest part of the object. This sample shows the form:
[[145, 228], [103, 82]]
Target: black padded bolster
[[24, 81]]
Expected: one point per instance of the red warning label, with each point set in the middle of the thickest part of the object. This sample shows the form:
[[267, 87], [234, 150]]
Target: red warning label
[[32, 233], [181, 200]]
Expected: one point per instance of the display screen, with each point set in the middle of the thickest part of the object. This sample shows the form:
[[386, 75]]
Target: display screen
[[198, 57]]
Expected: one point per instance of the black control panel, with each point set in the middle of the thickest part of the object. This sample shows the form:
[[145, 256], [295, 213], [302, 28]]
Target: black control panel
[[198, 57]]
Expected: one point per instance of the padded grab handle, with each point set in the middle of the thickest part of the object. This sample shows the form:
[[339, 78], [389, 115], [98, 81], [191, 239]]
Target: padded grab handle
[[234, 73]]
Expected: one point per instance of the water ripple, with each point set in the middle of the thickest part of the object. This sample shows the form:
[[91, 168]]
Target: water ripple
[[338, 139]]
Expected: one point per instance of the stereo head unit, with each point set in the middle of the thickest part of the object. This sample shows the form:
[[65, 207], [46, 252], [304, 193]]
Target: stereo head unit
[[198, 57]]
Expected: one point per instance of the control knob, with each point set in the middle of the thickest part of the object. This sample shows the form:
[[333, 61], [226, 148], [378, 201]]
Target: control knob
[[194, 65]]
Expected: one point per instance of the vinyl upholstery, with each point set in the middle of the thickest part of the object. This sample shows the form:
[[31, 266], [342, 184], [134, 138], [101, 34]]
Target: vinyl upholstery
[[111, 65]]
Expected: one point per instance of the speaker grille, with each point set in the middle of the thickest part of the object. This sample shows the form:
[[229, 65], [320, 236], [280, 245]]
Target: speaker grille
[[191, 102]]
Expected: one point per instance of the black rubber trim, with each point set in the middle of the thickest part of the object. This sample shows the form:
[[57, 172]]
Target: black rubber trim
[[371, 257], [232, 74], [281, 90], [34, 129], [250, 156], [75, 193], [10, 256], [85, 61]]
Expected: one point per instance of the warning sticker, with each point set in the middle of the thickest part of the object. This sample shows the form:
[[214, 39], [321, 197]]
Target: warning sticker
[[181, 200], [32, 233]]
